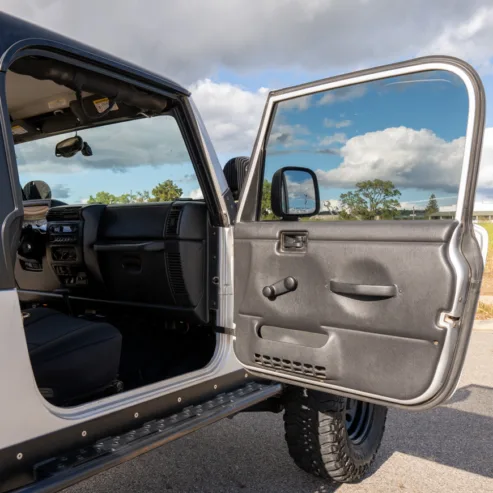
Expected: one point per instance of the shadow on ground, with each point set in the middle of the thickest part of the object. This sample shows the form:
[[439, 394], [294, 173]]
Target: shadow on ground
[[447, 435]]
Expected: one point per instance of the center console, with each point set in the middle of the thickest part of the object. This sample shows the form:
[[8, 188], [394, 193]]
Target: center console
[[65, 227]]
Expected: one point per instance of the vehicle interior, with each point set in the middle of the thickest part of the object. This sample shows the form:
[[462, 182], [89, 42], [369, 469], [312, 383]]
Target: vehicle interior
[[114, 296]]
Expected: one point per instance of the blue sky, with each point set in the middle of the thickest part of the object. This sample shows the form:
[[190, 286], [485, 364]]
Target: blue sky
[[318, 134]]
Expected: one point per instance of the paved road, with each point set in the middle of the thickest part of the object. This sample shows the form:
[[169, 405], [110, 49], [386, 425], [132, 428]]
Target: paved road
[[448, 449]]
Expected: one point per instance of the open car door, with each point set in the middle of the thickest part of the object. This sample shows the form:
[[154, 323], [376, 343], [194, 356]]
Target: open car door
[[348, 279]]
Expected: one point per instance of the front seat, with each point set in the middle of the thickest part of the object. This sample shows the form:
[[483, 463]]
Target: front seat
[[72, 358], [235, 171]]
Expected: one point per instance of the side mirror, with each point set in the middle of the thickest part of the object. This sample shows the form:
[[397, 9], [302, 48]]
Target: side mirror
[[69, 147], [295, 193]]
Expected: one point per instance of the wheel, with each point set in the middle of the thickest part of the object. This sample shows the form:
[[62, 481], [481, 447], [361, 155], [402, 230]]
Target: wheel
[[330, 436]]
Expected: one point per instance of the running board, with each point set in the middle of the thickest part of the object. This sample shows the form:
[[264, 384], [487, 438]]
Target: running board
[[60, 472]]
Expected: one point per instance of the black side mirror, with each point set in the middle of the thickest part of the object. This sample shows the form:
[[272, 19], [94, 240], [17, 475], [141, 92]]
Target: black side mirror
[[295, 193]]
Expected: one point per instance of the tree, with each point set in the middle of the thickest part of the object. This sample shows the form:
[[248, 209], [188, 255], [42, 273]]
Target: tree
[[103, 198], [166, 192], [432, 206], [265, 205], [373, 199]]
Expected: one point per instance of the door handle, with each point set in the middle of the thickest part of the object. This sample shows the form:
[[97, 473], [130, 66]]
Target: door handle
[[294, 241], [280, 287], [370, 290]]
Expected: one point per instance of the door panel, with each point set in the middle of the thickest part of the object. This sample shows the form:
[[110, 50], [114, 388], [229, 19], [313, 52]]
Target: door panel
[[378, 310], [387, 346]]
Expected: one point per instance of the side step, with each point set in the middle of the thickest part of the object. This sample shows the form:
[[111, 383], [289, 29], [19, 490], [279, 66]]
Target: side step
[[60, 472]]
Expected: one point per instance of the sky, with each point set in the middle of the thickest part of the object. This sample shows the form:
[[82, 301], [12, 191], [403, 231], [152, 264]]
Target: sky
[[230, 54]]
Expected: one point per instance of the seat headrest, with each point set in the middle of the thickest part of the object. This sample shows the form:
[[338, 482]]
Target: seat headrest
[[235, 171]]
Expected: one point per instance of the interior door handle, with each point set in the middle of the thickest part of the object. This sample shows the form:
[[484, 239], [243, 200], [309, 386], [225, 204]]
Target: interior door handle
[[370, 290], [294, 241], [280, 287]]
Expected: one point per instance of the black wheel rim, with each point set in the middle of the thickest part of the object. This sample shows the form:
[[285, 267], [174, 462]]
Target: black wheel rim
[[359, 417]]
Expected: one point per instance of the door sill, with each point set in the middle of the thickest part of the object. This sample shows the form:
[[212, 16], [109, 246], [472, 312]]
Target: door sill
[[80, 464]]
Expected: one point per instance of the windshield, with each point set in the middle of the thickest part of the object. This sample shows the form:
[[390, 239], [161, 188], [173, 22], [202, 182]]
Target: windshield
[[143, 160]]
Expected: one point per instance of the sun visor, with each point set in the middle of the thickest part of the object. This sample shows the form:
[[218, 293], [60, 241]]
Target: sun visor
[[21, 130], [59, 123]]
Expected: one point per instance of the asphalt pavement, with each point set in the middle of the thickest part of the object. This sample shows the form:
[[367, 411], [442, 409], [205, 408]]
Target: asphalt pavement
[[448, 449]]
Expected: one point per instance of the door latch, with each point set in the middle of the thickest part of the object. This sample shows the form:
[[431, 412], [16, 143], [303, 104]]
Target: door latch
[[294, 241]]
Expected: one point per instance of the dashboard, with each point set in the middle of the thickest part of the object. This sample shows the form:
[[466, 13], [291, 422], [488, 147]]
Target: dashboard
[[151, 255]]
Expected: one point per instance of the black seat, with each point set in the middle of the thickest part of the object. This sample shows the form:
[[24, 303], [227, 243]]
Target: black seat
[[235, 171], [72, 358]]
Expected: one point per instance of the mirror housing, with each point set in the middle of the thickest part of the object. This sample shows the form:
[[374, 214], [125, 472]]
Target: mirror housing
[[295, 193], [69, 147]]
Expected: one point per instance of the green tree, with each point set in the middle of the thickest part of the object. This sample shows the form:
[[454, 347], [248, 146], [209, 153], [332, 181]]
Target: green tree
[[372, 199], [163, 192], [103, 198], [432, 206], [166, 192], [265, 205]]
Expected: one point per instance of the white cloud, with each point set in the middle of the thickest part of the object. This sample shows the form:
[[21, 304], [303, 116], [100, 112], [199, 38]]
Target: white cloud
[[149, 141], [231, 114], [330, 205], [342, 94], [190, 40], [407, 157], [287, 136], [485, 178], [337, 124], [60, 191], [196, 194], [337, 138], [470, 39]]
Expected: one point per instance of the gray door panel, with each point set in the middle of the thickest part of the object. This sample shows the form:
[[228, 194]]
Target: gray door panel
[[387, 345]]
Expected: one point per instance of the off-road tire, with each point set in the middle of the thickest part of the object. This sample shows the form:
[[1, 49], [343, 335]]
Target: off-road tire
[[319, 438]]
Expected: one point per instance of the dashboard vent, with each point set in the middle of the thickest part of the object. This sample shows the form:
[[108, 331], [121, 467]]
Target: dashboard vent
[[175, 274], [173, 221], [63, 214]]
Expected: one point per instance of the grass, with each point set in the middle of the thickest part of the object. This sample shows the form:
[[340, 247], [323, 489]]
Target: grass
[[487, 285], [484, 311]]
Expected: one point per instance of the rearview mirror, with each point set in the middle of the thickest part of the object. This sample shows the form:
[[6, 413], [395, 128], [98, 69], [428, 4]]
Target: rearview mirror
[[69, 147], [295, 193]]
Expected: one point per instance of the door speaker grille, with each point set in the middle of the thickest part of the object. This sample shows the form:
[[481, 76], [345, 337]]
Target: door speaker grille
[[292, 366]]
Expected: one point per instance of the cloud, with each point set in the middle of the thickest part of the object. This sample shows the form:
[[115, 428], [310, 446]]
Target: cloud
[[191, 40], [196, 194], [300, 103], [470, 39], [342, 95], [188, 178], [149, 141], [485, 178], [409, 158], [60, 191], [288, 135], [231, 114], [337, 124], [337, 138]]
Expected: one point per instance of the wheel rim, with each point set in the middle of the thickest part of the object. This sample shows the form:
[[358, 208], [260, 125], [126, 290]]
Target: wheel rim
[[359, 417]]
